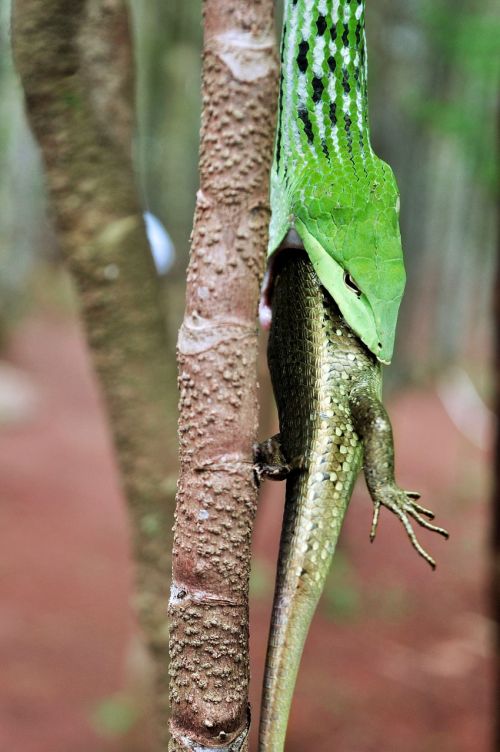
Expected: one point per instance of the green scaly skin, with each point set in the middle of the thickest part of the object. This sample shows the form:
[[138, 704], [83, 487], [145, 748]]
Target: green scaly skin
[[334, 312], [326, 181]]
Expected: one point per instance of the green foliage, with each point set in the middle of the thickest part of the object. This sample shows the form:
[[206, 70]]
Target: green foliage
[[168, 38], [467, 42], [151, 525], [23, 228], [346, 599], [342, 598], [115, 716]]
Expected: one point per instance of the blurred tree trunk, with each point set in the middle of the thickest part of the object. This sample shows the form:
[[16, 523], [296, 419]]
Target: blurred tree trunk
[[217, 352], [495, 537], [76, 67]]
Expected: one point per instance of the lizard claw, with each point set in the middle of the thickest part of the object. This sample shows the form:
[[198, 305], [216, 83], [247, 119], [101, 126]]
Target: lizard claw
[[269, 461], [270, 471], [376, 513], [414, 495], [403, 505]]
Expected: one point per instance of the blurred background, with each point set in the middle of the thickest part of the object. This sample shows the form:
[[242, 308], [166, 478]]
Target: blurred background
[[398, 657]]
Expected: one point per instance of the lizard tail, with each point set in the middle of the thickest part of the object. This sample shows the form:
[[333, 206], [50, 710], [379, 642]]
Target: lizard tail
[[284, 652], [304, 562]]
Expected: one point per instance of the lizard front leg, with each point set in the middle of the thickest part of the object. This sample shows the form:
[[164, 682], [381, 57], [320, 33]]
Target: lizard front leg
[[271, 463], [372, 424]]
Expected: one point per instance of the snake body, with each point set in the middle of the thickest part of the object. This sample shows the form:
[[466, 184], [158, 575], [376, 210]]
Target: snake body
[[327, 183]]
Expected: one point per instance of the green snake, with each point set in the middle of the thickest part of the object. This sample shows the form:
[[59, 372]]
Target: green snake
[[334, 285]]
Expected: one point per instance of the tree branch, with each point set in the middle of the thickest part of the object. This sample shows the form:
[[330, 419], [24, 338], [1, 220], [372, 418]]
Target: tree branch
[[75, 63], [217, 352]]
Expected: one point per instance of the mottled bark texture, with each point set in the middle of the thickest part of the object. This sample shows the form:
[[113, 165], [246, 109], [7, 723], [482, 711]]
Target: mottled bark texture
[[495, 516], [217, 352], [75, 62]]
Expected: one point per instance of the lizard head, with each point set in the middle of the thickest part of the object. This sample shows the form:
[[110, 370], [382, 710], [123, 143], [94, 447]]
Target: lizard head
[[357, 255]]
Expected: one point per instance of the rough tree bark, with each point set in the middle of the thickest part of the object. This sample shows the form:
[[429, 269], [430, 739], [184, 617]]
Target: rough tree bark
[[217, 351], [76, 67], [495, 527], [495, 515]]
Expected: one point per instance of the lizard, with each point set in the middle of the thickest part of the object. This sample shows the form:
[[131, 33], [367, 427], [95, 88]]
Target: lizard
[[331, 298]]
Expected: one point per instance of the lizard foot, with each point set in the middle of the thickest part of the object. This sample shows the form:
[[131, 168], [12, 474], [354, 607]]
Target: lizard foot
[[404, 505], [269, 461]]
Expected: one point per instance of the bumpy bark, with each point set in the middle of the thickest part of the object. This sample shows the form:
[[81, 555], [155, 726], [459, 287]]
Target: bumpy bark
[[495, 515], [75, 63], [217, 351]]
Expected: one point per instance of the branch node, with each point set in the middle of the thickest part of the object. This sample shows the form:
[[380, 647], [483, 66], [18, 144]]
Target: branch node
[[184, 594]]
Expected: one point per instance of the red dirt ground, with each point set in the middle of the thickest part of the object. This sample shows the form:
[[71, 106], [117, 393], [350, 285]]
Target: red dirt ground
[[397, 659]]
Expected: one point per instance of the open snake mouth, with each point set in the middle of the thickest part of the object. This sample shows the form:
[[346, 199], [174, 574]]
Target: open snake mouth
[[291, 242]]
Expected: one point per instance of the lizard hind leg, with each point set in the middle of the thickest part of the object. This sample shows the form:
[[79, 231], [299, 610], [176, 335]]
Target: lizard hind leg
[[373, 425], [402, 505]]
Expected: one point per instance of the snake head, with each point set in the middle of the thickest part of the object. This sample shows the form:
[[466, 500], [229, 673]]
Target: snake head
[[352, 238]]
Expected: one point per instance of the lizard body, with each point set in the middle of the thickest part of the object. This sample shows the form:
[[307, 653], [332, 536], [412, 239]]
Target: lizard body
[[328, 392], [334, 289]]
